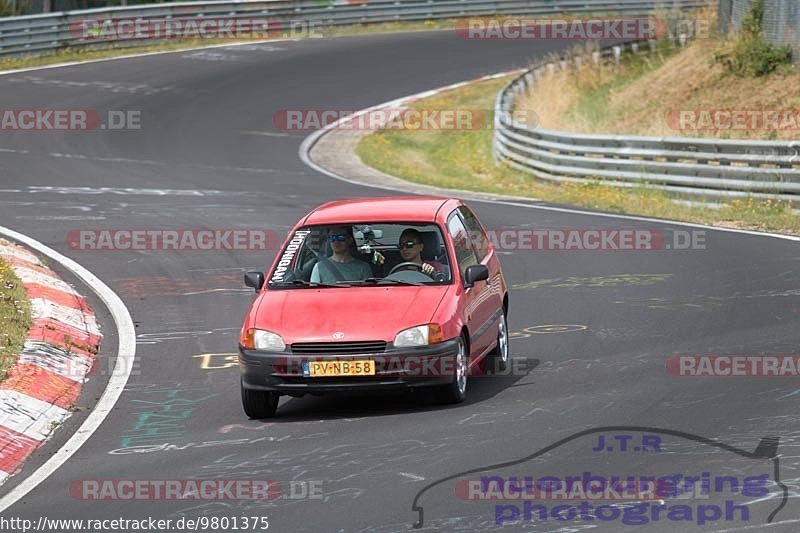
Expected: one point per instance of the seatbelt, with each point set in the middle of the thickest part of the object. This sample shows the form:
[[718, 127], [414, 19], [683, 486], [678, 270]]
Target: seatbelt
[[331, 268]]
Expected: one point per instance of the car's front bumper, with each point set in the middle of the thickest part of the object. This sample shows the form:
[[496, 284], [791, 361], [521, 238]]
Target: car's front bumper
[[396, 368]]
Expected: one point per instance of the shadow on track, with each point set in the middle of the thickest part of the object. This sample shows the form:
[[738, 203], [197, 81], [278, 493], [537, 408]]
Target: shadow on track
[[479, 389]]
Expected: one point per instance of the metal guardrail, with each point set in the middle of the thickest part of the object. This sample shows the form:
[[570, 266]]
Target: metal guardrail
[[713, 169], [50, 32]]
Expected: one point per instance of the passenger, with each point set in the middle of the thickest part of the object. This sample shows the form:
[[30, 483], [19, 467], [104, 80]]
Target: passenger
[[411, 247], [341, 266]]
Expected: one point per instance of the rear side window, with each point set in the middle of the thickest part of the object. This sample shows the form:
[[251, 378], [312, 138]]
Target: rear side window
[[476, 233], [465, 255]]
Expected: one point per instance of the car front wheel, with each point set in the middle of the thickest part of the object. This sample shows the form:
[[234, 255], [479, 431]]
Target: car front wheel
[[499, 355], [456, 391], [259, 404]]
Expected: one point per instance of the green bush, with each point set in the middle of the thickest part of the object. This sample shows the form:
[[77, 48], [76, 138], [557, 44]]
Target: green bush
[[751, 54], [5, 9]]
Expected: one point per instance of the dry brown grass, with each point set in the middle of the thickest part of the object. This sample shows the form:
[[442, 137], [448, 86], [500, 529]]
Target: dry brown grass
[[592, 101]]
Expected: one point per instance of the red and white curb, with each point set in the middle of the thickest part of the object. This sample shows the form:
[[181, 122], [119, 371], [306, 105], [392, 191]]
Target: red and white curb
[[55, 361]]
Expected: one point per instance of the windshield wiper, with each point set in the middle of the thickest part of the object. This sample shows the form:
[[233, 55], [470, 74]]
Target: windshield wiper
[[393, 281], [304, 283]]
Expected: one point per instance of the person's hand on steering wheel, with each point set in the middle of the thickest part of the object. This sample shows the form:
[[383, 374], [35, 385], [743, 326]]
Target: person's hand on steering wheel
[[429, 269]]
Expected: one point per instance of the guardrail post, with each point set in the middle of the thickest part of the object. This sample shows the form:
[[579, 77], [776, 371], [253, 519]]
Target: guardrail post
[[617, 54]]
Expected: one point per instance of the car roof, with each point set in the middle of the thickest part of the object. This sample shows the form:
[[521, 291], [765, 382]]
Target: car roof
[[380, 209]]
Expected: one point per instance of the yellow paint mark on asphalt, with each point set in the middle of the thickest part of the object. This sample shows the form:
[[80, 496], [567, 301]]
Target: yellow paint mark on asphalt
[[216, 361]]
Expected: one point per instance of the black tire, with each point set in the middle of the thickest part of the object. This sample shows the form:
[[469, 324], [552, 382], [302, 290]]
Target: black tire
[[259, 404], [456, 392], [499, 357]]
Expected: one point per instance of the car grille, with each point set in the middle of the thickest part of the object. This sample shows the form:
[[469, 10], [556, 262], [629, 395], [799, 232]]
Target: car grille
[[338, 348]]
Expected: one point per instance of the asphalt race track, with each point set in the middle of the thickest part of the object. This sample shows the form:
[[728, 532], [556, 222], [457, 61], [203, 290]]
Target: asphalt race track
[[208, 156]]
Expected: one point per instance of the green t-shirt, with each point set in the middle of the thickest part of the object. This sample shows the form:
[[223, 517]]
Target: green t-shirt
[[352, 271]]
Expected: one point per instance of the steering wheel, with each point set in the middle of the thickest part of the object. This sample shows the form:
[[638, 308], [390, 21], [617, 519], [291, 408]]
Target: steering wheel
[[438, 276], [405, 264]]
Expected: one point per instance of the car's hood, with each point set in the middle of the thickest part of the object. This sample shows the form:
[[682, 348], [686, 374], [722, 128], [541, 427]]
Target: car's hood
[[363, 313]]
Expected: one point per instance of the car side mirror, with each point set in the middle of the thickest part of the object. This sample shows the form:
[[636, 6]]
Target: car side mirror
[[475, 273], [254, 280]]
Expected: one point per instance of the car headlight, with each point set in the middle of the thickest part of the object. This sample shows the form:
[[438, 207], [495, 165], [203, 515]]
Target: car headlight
[[266, 341], [419, 336]]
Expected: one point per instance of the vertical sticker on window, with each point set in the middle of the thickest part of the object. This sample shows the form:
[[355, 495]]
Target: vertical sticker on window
[[288, 255]]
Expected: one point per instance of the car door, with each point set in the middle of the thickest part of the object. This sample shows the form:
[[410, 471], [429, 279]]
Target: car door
[[495, 285], [476, 307]]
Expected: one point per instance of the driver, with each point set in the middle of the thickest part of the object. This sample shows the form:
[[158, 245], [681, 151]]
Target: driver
[[341, 266], [411, 247]]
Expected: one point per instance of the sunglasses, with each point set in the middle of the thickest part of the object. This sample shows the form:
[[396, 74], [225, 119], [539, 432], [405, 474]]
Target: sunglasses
[[338, 237], [407, 245]]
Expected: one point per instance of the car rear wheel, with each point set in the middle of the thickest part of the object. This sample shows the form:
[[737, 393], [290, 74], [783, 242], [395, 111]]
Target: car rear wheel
[[500, 353], [456, 391], [259, 404]]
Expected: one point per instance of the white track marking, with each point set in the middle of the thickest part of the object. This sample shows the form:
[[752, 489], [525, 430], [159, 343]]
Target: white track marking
[[309, 142], [206, 47], [116, 384], [134, 56]]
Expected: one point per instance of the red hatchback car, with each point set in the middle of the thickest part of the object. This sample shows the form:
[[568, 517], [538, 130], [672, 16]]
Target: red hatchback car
[[375, 294]]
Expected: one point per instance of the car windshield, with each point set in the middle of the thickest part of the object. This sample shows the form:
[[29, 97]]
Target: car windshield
[[362, 255]]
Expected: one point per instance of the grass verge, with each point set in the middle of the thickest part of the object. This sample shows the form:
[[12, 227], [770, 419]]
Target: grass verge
[[463, 160], [15, 317], [690, 93]]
